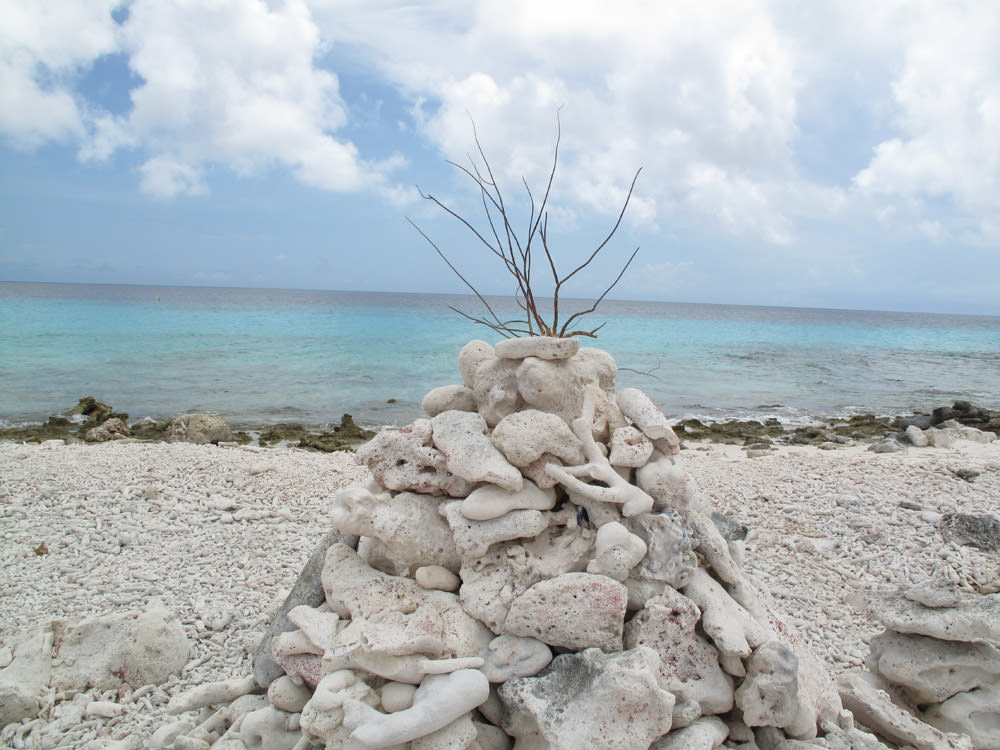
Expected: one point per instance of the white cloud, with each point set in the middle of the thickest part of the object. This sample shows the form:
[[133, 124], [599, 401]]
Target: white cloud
[[234, 83], [947, 96], [43, 49]]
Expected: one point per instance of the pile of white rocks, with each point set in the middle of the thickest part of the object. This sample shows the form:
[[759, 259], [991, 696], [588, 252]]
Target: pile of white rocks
[[935, 671], [530, 567]]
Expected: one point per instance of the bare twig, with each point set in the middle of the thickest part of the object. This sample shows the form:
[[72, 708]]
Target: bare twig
[[516, 252]]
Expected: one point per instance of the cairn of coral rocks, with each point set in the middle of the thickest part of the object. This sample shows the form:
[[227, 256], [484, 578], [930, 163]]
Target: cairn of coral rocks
[[530, 567]]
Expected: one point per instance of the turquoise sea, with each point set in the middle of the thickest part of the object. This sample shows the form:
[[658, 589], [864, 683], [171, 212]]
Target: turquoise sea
[[263, 356]]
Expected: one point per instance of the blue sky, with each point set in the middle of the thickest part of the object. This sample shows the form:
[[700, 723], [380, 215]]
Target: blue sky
[[823, 154]]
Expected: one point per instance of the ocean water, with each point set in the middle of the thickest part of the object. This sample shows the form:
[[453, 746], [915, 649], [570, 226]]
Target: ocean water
[[260, 356]]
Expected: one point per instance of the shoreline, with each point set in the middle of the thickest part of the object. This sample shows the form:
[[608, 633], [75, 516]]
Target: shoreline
[[72, 425], [219, 534]]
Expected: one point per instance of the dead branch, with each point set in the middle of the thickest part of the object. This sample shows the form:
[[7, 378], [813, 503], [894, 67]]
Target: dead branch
[[516, 252]]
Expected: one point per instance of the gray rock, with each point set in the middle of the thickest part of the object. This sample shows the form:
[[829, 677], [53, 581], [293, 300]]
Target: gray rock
[[889, 445], [974, 618], [731, 529], [589, 700], [931, 670], [975, 713], [916, 436], [308, 590], [935, 593], [198, 428], [972, 531], [670, 557], [872, 708]]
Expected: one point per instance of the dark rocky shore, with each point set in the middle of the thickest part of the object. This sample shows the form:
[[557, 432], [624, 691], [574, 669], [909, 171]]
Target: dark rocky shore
[[79, 423], [93, 421]]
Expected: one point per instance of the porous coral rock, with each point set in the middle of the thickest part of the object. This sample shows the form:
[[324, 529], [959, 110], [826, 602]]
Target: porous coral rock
[[406, 459], [573, 610], [469, 453], [590, 700], [473, 538], [448, 398], [369, 595], [975, 713], [704, 734], [671, 557], [408, 525], [670, 486], [491, 582], [646, 415], [688, 663], [769, 695], [975, 617], [515, 656], [322, 717], [523, 437], [494, 386], [629, 447], [473, 354], [268, 728], [618, 551], [440, 700]]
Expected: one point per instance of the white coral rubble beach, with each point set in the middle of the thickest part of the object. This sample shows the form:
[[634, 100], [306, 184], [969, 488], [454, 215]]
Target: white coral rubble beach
[[538, 564]]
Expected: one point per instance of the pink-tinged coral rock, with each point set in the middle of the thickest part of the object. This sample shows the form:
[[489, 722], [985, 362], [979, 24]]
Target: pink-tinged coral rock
[[406, 459], [543, 347], [573, 610], [400, 615], [689, 665], [590, 700], [470, 454], [629, 448], [646, 415]]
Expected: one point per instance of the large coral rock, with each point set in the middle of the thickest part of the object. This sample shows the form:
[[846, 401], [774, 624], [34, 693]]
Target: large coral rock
[[590, 700], [490, 501], [408, 525], [469, 453], [494, 385], [105, 651], [525, 436], [573, 610], [688, 663], [769, 695], [474, 538], [543, 347], [447, 398], [407, 460], [975, 713]]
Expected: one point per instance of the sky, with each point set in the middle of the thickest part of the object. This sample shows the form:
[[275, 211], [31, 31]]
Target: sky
[[836, 153]]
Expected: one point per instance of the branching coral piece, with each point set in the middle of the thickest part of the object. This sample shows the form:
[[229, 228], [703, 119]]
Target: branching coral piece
[[618, 490]]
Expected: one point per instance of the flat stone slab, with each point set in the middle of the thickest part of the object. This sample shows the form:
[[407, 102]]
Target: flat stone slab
[[543, 347]]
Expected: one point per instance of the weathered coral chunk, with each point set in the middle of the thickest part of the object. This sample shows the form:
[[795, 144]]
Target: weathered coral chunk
[[406, 459], [408, 525], [590, 700], [769, 695], [646, 415], [689, 665], [440, 700], [473, 538], [573, 610], [976, 617], [461, 437], [490, 501], [514, 656], [543, 347], [523, 437], [671, 557], [448, 398], [975, 713], [494, 386], [470, 357], [670, 486], [931, 670], [629, 448], [322, 717], [618, 551]]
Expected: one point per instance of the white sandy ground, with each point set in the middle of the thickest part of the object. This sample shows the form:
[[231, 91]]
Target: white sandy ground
[[219, 535]]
